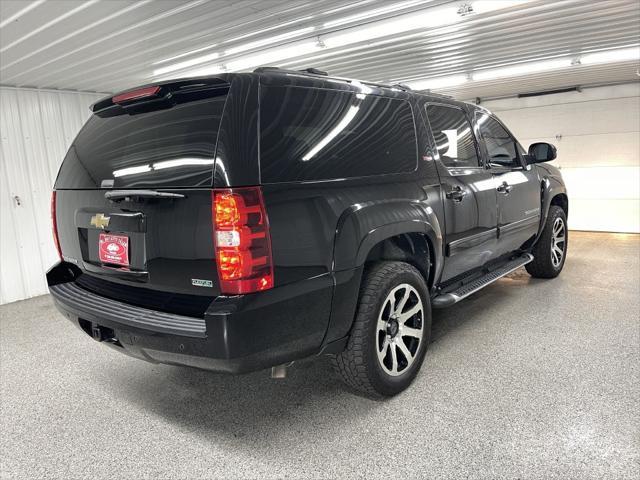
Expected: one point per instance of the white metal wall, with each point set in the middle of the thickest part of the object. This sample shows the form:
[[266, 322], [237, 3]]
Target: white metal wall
[[36, 128], [597, 133]]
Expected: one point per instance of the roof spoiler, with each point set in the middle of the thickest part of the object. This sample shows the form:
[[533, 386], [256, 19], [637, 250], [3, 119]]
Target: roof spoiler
[[157, 91]]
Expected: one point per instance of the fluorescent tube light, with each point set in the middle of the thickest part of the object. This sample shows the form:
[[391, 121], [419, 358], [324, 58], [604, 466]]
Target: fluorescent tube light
[[438, 82], [485, 6], [271, 56], [372, 13], [609, 56], [21, 12], [267, 41], [385, 28], [521, 69], [420, 20], [185, 54], [264, 30], [186, 64]]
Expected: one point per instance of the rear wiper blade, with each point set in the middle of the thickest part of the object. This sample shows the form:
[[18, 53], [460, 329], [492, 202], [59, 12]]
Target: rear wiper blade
[[116, 195]]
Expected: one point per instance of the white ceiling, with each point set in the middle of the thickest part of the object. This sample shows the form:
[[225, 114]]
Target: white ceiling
[[112, 45]]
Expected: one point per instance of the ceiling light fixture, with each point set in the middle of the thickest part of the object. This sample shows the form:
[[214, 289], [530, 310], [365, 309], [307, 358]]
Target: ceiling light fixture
[[185, 54], [268, 57], [438, 82], [521, 69], [267, 41], [609, 56], [264, 30], [419, 21], [372, 13], [186, 64], [385, 28]]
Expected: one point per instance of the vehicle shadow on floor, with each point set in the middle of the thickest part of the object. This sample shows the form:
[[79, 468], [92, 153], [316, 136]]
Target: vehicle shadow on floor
[[247, 408]]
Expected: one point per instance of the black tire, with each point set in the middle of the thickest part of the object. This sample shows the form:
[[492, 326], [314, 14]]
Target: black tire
[[358, 364], [543, 265]]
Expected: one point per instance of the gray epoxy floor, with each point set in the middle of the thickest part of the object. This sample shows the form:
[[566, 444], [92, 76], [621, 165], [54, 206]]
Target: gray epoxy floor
[[526, 379]]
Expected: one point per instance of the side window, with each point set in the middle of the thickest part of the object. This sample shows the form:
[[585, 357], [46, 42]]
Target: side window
[[315, 134], [453, 135], [501, 147]]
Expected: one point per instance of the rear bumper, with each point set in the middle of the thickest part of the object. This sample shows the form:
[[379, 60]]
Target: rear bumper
[[237, 334]]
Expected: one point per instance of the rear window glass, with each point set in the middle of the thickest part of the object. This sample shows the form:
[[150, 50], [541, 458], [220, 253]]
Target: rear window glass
[[314, 134], [168, 147]]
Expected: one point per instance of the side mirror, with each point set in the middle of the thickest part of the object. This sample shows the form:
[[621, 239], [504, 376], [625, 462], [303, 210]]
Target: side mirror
[[541, 152]]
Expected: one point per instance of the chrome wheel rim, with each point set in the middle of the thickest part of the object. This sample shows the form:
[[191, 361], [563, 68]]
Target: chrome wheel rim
[[558, 242], [399, 330]]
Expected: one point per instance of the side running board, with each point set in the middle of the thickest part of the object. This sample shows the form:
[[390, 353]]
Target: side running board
[[449, 298]]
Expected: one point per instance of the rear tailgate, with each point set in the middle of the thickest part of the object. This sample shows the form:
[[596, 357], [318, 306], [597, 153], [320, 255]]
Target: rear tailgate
[[133, 196]]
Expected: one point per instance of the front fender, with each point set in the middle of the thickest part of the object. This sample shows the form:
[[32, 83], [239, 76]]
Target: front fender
[[552, 185]]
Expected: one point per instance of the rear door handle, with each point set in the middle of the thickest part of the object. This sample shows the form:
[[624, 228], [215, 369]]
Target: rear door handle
[[456, 194], [504, 188]]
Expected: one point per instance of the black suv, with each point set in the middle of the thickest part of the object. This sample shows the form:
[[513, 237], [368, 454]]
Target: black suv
[[244, 221]]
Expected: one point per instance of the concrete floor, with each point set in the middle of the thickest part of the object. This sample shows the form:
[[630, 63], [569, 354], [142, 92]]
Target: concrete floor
[[526, 379]]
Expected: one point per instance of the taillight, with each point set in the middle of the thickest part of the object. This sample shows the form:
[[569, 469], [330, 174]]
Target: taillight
[[242, 240], [54, 224]]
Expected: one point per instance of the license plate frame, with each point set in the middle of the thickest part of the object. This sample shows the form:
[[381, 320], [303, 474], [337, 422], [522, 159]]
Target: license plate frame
[[113, 249]]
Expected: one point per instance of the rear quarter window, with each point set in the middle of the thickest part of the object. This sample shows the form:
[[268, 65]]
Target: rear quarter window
[[314, 134]]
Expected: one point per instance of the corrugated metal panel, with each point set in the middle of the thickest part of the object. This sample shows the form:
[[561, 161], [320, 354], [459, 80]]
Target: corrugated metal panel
[[37, 128], [109, 46]]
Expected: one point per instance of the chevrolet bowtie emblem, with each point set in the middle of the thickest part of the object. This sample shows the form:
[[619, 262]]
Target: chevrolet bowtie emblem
[[100, 221]]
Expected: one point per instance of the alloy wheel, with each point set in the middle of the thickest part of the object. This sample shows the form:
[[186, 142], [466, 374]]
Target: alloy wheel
[[400, 329], [558, 242]]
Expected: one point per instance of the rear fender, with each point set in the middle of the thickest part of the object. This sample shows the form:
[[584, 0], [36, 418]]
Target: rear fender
[[360, 229], [364, 225]]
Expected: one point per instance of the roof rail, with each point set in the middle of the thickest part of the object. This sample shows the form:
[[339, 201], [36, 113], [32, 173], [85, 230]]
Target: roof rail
[[313, 71], [403, 86], [436, 94]]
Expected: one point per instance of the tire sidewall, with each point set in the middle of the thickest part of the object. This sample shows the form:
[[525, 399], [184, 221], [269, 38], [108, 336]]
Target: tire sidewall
[[383, 382]]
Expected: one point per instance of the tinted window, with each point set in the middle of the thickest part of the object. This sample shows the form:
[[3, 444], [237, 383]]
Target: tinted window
[[453, 135], [501, 147], [314, 134], [168, 147]]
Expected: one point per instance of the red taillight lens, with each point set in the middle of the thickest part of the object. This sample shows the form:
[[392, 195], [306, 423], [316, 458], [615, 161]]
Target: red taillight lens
[[242, 240], [54, 224], [136, 94]]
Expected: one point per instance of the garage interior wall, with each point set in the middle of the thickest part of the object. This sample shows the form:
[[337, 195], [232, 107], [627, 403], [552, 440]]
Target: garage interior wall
[[597, 133], [37, 127]]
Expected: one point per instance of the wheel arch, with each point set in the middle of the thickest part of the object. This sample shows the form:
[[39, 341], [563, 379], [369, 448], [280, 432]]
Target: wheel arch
[[562, 201], [398, 231], [553, 192], [413, 247]]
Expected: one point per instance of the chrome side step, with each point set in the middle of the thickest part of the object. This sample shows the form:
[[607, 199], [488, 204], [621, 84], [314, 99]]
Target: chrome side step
[[449, 298]]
